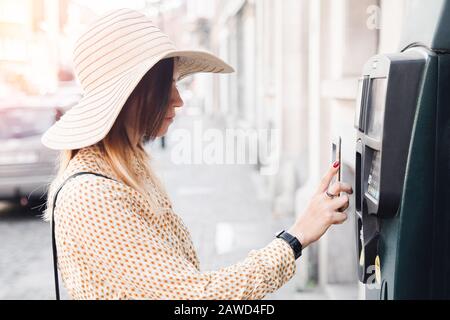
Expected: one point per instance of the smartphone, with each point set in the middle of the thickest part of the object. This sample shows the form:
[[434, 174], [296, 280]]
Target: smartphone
[[337, 156]]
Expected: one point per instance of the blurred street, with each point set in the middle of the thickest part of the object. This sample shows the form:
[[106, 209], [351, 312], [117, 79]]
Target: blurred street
[[26, 264], [225, 208]]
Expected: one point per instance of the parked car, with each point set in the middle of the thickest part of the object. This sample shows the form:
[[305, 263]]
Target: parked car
[[26, 166]]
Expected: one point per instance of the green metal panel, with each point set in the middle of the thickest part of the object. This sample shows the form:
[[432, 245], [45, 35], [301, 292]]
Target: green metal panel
[[440, 284], [415, 244], [415, 219]]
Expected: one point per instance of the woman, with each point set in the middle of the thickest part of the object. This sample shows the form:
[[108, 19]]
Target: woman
[[117, 236]]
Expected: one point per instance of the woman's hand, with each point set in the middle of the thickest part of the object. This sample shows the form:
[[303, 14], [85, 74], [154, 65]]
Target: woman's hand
[[323, 211]]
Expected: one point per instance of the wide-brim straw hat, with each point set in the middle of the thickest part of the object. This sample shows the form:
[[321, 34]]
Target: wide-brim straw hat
[[110, 58]]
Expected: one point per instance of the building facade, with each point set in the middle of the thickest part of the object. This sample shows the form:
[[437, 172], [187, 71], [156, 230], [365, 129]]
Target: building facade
[[298, 63]]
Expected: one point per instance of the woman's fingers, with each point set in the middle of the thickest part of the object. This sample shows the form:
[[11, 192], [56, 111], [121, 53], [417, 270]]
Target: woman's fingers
[[338, 187], [326, 180], [340, 202], [340, 217], [345, 207]]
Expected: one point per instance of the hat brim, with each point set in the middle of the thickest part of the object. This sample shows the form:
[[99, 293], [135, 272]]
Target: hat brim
[[92, 118]]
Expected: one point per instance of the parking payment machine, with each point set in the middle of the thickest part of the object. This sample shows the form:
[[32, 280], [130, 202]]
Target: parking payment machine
[[403, 162]]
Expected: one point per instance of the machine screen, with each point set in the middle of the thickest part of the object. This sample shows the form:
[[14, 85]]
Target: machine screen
[[377, 101], [373, 188], [359, 101]]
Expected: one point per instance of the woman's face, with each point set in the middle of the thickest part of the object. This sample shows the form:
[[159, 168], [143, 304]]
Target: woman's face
[[175, 101]]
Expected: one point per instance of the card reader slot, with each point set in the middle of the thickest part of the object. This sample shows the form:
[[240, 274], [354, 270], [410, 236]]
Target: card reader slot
[[358, 180]]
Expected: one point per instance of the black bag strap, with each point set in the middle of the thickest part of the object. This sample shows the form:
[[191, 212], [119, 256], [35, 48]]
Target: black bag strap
[[55, 253]]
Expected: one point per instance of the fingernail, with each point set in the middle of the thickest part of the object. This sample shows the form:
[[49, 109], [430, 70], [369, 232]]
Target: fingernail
[[336, 164]]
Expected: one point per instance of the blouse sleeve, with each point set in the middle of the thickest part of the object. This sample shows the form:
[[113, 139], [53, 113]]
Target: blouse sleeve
[[123, 247]]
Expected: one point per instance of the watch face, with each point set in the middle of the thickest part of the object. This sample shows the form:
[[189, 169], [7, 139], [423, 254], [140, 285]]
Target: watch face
[[279, 233]]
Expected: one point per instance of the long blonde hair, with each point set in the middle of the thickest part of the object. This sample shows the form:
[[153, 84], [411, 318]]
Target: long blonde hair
[[141, 117]]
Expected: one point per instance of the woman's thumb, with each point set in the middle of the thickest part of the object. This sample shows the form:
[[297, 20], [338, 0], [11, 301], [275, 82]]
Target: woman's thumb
[[326, 179]]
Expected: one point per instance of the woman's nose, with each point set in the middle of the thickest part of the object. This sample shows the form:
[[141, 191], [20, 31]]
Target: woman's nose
[[177, 100], [179, 103]]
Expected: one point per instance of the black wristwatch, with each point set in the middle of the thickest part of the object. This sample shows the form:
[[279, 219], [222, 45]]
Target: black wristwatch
[[292, 241]]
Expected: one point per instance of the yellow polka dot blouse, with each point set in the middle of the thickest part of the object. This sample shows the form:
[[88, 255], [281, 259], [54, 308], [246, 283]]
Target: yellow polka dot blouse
[[112, 244]]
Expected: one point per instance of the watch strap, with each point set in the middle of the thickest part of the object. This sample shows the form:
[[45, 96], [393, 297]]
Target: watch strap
[[292, 241]]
